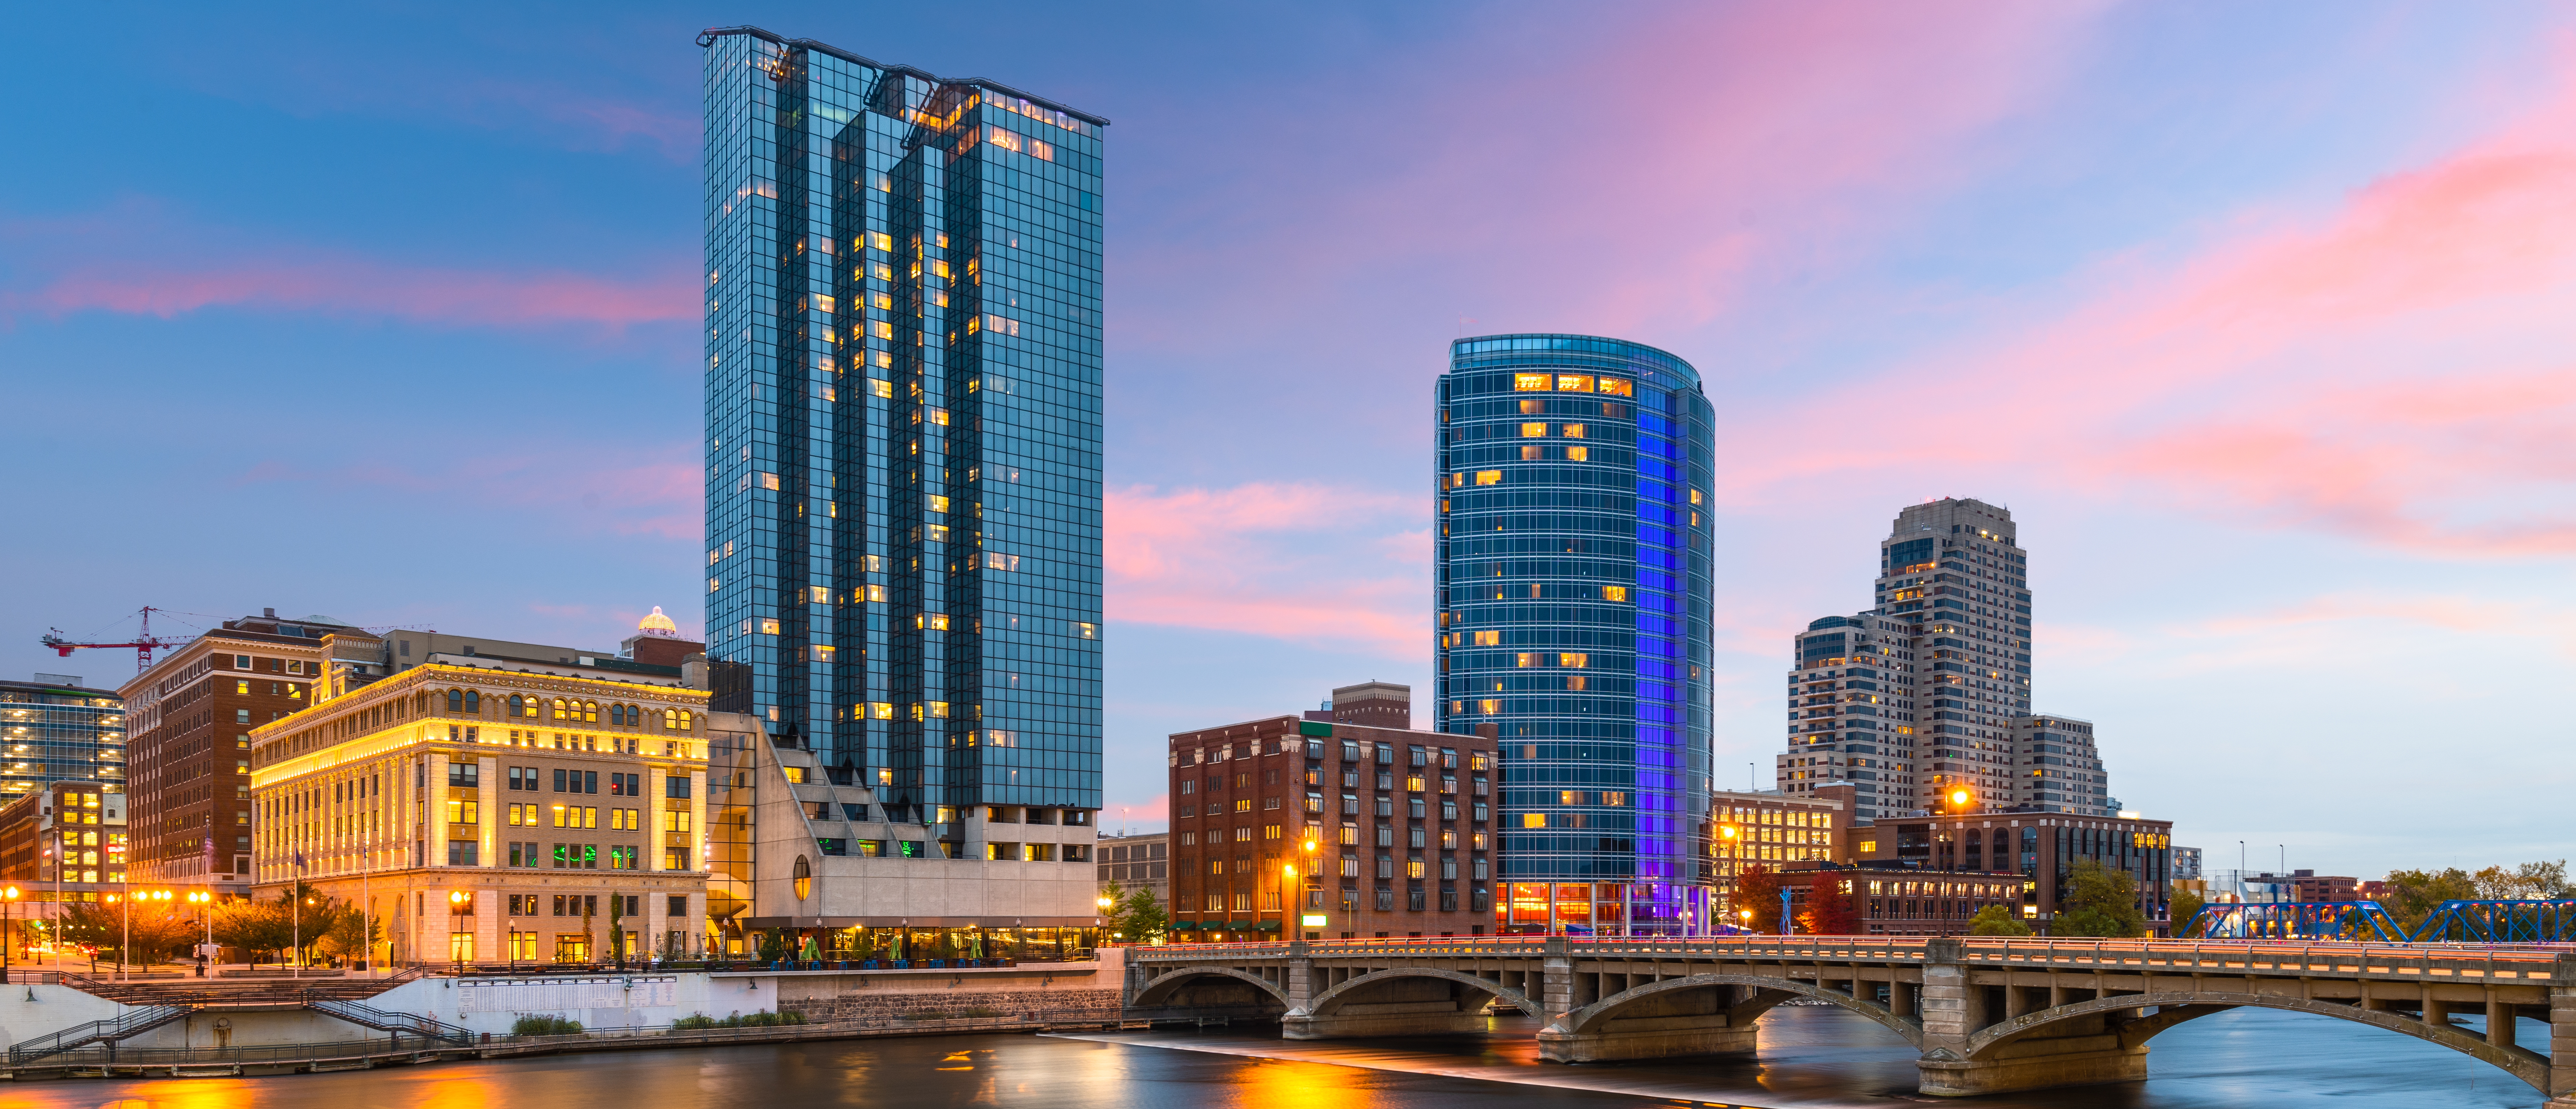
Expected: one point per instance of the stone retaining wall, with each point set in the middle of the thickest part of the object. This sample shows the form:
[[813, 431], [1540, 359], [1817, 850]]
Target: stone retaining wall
[[886, 1005]]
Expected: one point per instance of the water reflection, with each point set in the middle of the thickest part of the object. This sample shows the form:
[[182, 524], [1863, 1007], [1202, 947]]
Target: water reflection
[[1810, 1057]]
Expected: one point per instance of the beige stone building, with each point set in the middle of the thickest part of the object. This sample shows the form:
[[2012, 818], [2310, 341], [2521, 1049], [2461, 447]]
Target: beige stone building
[[491, 815]]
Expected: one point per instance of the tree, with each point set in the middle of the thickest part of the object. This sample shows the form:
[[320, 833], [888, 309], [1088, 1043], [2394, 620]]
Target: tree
[[151, 929], [1757, 887], [1140, 919], [258, 927], [2412, 895], [1996, 920], [2185, 905], [1833, 907], [2100, 901], [772, 949], [2528, 882], [349, 933]]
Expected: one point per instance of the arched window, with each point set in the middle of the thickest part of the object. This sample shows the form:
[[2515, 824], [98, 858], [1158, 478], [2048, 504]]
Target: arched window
[[514, 704], [473, 703], [559, 708], [456, 700], [803, 875], [670, 720], [590, 711], [684, 720]]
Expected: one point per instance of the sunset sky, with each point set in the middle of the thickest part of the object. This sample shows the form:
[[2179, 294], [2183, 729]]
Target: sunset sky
[[2261, 320]]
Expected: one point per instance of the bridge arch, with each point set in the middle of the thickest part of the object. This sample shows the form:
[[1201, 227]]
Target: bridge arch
[[2175, 1007], [1161, 988], [1775, 990], [1324, 1004]]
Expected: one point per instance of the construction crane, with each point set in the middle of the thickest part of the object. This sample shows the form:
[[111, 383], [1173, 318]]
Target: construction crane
[[142, 645]]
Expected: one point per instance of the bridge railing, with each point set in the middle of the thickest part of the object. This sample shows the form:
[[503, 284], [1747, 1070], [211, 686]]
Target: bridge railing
[[2034, 950]]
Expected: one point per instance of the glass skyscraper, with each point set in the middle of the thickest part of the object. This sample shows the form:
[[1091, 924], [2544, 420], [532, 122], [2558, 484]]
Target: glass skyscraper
[[903, 424], [1574, 612]]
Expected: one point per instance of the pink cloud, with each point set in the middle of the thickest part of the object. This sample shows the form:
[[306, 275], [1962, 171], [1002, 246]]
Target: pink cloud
[[2395, 369], [334, 284], [1289, 561], [1633, 181], [656, 498]]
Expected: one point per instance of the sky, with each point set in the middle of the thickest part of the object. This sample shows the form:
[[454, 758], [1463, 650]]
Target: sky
[[2257, 318]]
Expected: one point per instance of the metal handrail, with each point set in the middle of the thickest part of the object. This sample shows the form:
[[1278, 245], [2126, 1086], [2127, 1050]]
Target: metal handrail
[[97, 1031]]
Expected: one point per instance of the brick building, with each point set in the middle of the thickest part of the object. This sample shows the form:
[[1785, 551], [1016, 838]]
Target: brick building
[[1287, 826], [1933, 872], [190, 717], [1776, 829]]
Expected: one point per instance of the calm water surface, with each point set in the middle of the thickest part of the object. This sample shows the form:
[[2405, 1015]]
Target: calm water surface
[[1811, 1057]]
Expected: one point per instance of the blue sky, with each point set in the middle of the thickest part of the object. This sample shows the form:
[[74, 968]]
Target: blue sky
[[2256, 319]]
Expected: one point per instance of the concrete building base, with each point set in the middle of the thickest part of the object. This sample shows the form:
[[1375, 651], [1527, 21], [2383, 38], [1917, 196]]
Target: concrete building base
[[2042, 1065], [1647, 1038]]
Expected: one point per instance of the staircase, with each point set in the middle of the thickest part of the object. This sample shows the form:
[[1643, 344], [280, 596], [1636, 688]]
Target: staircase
[[98, 1031], [156, 1004], [234, 993], [382, 1021]]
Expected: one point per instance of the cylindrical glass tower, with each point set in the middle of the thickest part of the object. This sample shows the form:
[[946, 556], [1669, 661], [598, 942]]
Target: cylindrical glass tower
[[1573, 605]]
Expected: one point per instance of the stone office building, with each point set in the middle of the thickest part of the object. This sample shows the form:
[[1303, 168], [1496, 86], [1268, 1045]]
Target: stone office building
[[492, 816], [1327, 829]]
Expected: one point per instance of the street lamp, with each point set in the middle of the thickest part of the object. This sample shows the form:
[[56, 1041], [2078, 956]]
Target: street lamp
[[203, 900], [8, 910], [456, 900], [1314, 868]]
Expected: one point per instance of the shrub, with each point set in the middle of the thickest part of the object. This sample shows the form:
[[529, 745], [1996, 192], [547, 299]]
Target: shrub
[[737, 1020], [545, 1026]]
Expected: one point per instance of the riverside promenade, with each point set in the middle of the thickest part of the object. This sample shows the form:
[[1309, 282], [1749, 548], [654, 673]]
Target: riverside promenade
[[65, 1024]]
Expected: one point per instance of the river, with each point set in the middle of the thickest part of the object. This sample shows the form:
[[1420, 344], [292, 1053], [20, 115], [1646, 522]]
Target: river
[[1811, 1057]]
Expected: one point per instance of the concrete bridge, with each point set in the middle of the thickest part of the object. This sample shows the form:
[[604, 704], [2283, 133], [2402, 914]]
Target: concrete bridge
[[1989, 1015]]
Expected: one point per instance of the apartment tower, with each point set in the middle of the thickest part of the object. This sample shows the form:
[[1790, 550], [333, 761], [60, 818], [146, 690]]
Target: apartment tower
[[1920, 702], [903, 425], [1573, 604]]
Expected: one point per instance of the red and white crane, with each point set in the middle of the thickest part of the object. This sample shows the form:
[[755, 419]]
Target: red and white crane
[[142, 645]]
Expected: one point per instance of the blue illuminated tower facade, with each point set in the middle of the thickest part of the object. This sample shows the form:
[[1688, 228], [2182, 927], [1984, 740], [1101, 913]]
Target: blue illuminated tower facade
[[903, 383], [1573, 611]]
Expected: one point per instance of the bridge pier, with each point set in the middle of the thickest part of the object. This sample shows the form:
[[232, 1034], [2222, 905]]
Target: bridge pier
[[1683, 1022], [1397, 1007], [1955, 1008], [2562, 1035]]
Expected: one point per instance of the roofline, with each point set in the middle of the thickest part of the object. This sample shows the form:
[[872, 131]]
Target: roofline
[[708, 37]]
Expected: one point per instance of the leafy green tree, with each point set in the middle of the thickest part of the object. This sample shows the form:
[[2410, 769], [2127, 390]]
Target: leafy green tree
[[772, 949], [2528, 882], [1996, 920], [1140, 919], [258, 927], [349, 933], [2412, 895], [2185, 905], [2099, 901]]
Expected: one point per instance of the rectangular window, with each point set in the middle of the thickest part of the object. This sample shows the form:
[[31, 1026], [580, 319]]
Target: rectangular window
[[1489, 477], [1531, 383], [460, 852]]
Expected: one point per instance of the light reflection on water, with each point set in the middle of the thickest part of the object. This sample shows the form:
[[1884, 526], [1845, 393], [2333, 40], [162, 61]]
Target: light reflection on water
[[1810, 1057]]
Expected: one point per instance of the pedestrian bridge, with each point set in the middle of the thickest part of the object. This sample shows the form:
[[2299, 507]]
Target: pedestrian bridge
[[1988, 1015]]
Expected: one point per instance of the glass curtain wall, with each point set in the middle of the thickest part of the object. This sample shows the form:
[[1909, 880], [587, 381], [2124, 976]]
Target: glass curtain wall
[[903, 424], [1573, 610]]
